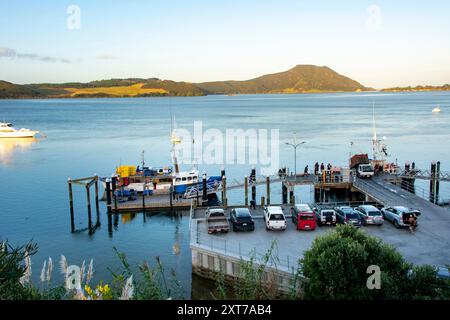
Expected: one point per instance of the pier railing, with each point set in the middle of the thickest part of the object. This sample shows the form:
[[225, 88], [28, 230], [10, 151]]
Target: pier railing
[[245, 251]]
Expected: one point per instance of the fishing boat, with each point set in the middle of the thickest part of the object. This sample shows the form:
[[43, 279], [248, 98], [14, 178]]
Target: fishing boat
[[437, 109], [8, 131], [163, 180]]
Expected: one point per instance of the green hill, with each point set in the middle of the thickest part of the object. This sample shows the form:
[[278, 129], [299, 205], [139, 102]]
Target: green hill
[[9, 90], [300, 79]]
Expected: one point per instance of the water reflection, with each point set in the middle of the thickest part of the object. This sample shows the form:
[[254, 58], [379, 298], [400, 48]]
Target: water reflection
[[11, 146], [127, 218]]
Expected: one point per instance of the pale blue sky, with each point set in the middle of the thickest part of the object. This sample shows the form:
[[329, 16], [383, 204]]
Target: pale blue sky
[[210, 40]]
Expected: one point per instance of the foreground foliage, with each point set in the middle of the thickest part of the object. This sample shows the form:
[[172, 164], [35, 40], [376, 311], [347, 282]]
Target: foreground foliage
[[336, 268], [16, 279]]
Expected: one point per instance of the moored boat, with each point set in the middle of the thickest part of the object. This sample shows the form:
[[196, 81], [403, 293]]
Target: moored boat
[[8, 131]]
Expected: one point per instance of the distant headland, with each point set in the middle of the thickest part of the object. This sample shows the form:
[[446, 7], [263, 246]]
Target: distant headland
[[300, 79]]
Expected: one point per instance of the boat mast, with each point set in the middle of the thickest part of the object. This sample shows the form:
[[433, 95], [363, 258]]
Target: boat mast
[[374, 134], [174, 140]]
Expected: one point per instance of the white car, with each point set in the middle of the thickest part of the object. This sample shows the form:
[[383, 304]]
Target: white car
[[274, 218]]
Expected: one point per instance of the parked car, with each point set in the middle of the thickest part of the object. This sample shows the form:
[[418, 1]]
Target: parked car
[[399, 216], [217, 221], [326, 216], [274, 218], [241, 220], [303, 217], [370, 215], [347, 215]]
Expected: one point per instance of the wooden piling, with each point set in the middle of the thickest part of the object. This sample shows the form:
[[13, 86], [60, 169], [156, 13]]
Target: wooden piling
[[268, 190], [224, 186], [436, 188], [143, 199], [108, 195], [72, 218], [433, 182], [263, 201], [205, 191], [246, 191], [88, 195], [253, 176], [284, 193], [97, 205], [114, 192], [291, 197]]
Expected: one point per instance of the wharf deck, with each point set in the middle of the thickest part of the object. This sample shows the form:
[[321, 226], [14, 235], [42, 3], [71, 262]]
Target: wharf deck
[[428, 245], [153, 202]]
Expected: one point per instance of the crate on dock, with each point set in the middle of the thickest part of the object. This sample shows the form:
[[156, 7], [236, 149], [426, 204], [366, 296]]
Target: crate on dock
[[126, 171]]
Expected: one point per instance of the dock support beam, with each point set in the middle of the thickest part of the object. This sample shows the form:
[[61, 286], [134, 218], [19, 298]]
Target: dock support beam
[[253, 179], [268, 190], [436, 188], [143, 198], [224, 186], [246, 191], [205, 192], [72, 221], [97, 206], [114, 185], [108, 195], [433, 183], [291, 197], [88, 197], [284, 193]]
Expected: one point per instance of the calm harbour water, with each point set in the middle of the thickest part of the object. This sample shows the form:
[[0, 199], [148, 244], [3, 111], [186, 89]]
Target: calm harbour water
[[87, 136]]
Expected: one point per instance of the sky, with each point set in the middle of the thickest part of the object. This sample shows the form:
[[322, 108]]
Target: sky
[[378, 43]]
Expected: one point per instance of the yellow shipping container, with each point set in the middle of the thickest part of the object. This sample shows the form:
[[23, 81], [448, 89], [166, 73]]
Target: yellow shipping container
[[126, 171]]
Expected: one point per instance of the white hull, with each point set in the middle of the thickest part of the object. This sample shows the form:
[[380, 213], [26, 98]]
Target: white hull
[[19, 134]]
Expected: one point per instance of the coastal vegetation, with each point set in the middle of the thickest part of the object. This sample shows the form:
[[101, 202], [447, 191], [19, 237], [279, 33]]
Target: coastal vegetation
[[334, 268], [445, 87], [300, 79]]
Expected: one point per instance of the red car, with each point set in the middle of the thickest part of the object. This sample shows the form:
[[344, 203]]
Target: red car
[[303, 217]]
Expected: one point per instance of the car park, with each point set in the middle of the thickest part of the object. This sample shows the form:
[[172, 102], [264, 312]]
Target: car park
[[370, 215], [303, 217], [274, 218], [242, 220], [399, 215], [326, 217]]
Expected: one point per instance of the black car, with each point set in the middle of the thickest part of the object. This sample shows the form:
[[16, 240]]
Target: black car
[[346, 215], [241, 220]]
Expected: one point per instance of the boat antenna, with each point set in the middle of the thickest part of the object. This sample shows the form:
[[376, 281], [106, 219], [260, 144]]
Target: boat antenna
[[174, 140], [374, 132]]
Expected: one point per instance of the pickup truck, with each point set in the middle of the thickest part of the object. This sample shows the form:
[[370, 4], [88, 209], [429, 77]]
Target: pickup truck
[[217, 221]]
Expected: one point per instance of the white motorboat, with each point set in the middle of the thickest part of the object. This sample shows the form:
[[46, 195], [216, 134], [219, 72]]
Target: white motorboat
[[437, 109], [7, 131]]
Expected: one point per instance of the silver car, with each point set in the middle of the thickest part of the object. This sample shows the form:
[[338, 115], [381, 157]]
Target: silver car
[[399, 216], [370, 215]]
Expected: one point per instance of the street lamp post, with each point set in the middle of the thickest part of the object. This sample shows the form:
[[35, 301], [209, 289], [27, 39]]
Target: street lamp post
[[295, 145]]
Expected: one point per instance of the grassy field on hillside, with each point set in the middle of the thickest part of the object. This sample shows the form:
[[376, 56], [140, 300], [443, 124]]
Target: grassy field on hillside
[[132, 90]]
